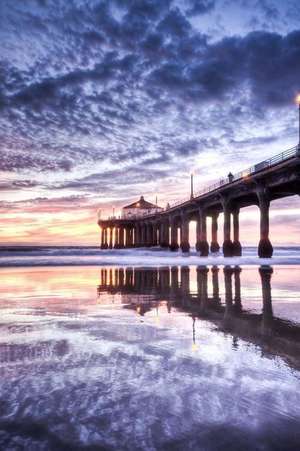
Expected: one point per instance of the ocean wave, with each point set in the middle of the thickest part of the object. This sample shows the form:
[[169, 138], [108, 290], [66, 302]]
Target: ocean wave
[[90, 256]]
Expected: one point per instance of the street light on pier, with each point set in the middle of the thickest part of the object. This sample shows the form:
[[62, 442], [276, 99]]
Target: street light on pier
[[298, 103], [192, 186]]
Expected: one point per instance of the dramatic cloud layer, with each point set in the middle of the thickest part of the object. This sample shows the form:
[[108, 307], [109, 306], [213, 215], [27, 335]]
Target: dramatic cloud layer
[[104, 100]]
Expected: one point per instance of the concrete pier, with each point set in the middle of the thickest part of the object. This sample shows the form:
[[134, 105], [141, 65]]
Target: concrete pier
[[259, 185]]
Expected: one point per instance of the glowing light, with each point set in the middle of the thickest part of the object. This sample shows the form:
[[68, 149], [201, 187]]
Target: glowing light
[[297, 99], [194, 347]]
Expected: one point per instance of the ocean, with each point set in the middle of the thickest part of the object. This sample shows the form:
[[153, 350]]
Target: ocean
[[145, 349], [82, 256]]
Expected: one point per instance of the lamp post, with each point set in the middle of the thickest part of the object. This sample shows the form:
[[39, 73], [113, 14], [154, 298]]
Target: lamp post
[[298, 103], [192, 186]]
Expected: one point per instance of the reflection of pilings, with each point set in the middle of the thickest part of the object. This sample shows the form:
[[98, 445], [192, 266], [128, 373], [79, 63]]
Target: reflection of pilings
[[202, 272], [129, 276], [267, 311], [174, 281], [237, 289], [164, 280], [228, 295], [185, 282], [121, 277], [215, 283]]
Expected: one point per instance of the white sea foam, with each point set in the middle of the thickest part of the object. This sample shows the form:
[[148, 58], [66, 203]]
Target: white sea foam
[[69, 256]]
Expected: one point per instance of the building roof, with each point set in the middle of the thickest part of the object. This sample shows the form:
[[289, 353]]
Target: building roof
[[141, 204]]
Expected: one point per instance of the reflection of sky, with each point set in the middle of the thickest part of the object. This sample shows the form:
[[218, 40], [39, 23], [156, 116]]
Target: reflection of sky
[[137, 95], [56, 289], [93, 375]]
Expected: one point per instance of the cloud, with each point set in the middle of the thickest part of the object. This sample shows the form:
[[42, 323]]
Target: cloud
[[197, 7], [111, 96]]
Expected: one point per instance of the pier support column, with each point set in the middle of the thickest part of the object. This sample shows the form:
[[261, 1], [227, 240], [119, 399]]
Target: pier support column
[[174, 236], [121, 237], [148, 235], [236, 245], [154, 234], [101, 237], [214, 245], [201, 234], [131, 237], [161, 234], [166, 234], [265, 248], [204, 247], [117, 239], [110, 237], [144, 235], [137, 235], [227, 244], [184, 235], [128, 237], [104, 239]]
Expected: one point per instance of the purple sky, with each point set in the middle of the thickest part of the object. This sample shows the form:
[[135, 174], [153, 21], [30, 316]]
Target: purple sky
[[102, 101]]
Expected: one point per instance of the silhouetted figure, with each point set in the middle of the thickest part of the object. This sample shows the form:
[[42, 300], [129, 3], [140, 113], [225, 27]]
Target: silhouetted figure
[[230, 177]]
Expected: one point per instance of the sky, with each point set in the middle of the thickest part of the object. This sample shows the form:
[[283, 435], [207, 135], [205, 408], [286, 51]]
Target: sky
[[102, 101]]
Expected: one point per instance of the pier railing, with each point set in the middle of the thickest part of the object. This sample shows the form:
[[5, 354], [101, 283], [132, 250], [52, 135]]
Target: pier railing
[[256, 168], [273, 161]]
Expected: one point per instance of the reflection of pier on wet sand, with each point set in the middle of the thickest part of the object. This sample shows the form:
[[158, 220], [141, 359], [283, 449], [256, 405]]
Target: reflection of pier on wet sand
[[145, 289]]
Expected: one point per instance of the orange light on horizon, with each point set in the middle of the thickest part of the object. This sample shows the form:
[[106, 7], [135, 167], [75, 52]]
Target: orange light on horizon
[[297, 99]]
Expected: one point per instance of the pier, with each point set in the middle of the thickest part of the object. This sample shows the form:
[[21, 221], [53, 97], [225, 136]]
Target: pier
[[259, 185]]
